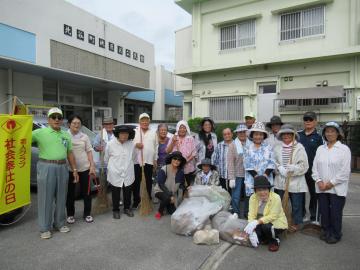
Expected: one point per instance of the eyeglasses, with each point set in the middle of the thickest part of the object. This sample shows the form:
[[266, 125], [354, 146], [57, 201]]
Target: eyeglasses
[[56, 117], [176, 158], [308, 119]]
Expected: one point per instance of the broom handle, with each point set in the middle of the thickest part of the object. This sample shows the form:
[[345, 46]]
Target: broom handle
[[142, 153]]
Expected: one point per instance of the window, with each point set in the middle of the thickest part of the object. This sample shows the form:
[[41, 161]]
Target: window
[[267, 88], [321, 101], [50, 93], [305, 102], [238, 35], [290, 102], [226, 108], [303, 23]]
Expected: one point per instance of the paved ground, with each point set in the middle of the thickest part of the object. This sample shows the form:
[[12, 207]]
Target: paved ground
[[145, 243]]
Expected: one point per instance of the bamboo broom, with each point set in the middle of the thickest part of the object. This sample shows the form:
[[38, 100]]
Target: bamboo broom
[[145, 205], [102, 202]]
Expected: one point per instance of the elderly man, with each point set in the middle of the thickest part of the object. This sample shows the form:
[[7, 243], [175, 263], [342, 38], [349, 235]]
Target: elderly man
[[52, 173], [249, 120], [311, 140], [146, 143]]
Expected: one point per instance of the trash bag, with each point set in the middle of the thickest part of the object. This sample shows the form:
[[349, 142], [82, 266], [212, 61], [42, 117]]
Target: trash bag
[[231, 228], [212, 193], [206, 237], [192, 215]]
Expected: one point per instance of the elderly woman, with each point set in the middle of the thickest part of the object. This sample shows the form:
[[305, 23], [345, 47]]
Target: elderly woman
[[207, 175], [206, 139], [162, 132], [266, 216], [236, 171], [292, 164], [331, 173], [258, 159], [85, 165], [183, 142], [170, 179]]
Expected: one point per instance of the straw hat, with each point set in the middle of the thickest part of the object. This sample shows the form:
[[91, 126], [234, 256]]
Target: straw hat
[[124, 128]]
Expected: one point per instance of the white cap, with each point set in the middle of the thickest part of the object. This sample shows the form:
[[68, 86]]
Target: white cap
[[250, 114], [54, 110], [144, 115]]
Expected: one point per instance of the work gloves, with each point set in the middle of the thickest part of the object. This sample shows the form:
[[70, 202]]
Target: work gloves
[[232, 183], [250, 227], [283, 171], [254, 239]]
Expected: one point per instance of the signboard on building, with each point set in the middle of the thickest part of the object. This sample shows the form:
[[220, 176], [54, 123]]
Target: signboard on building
[[15, 158]]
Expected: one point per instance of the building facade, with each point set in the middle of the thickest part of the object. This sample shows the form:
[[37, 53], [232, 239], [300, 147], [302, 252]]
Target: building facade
[[53, 53], [270, 57]]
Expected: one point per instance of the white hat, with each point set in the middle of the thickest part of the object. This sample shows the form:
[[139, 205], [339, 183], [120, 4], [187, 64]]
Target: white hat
[[241, 127], [260, 127], [144, 115], [250, 114], [54, 110]]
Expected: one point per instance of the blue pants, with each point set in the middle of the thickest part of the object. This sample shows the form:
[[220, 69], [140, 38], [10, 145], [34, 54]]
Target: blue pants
[[52, 185], [331, 207], [296, 199], [236, 194]]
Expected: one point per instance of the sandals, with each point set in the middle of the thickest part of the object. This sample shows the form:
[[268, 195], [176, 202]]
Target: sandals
[[89, 219]]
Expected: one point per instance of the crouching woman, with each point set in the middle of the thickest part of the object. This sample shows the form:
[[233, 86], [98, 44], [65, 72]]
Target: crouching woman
[[266, 216], [170, 178]]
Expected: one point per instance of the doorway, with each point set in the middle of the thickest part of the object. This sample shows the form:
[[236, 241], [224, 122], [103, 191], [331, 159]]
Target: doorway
[[266, 94]]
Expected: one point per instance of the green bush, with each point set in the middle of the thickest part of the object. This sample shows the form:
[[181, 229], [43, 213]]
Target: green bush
[[194, 124]]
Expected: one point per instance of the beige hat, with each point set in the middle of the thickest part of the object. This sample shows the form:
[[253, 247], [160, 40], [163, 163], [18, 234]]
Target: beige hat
[[108, 120], [54, 110], [260, 127], [144, 115], [250, 114]]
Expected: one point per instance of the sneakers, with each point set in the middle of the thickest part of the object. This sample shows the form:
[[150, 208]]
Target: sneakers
[[70, 220], [332, 240], [129, 212], [89, 219], [45, 235], [158, 216], [64, 229]]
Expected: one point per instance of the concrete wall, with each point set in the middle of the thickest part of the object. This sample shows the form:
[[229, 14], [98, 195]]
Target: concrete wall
[[3, 90]]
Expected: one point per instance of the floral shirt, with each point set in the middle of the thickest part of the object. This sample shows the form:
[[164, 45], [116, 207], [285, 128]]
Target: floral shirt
[[187, 147], [257, 159]]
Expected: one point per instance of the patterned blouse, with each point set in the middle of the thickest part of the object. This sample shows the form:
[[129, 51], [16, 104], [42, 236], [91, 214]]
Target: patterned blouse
[[187, 147], [258, 159]]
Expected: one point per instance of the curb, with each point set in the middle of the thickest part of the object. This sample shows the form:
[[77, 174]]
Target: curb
[[216, 257]]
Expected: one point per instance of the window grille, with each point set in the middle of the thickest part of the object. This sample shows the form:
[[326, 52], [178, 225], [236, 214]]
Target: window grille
[[237, 35], [226, 108], [303, 23]]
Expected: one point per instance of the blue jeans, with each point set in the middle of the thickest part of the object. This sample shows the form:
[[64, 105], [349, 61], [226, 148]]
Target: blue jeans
[[235, 195], [296, 199]]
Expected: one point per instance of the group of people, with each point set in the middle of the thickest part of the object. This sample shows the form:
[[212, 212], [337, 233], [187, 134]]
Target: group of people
[[259, 165]]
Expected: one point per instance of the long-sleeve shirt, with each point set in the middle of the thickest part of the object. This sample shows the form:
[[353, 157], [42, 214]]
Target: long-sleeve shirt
[[333, 165], [120, 158], [151, 144], [220, 159], [259, 160], [187, 147], [235, 163]]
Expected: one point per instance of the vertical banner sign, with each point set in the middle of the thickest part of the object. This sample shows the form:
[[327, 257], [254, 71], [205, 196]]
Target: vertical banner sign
[[15, 158]]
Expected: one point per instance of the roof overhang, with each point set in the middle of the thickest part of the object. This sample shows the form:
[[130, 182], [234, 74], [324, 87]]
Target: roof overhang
[[68, 76], [188, 4], [312, 92]]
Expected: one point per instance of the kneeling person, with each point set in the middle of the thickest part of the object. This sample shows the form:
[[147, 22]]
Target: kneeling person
[[121, 156], [266, 216], [208, 175], [170, 178]]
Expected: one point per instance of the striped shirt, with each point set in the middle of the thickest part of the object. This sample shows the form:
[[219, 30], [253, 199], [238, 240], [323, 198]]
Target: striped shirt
[[219, 159], [286, 154]]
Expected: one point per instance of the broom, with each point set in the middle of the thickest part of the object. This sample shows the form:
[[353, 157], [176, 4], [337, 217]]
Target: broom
[[285, 199], [145, 203], [102, 201]]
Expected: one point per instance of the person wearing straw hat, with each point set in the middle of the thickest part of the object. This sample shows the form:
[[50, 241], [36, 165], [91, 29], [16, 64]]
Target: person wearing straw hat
[[171, 178], [266, 215], [311, 140], [206, 139], [274, 125], [291, 162], [55, 147], [207, 174], [331, 172], [258, 159], [250, 119], [147, 144], [120, 155], [236, 171], [104, 136]]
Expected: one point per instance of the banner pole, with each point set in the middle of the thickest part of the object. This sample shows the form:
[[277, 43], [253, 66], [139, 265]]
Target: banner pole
[[13, 105]]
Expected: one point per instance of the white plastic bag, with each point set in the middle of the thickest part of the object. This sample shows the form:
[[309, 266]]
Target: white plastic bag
[[206, 237], [192, 215], [213, 194]]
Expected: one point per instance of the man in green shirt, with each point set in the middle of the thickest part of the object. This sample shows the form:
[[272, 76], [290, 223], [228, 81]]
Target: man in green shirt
[[52, 173]]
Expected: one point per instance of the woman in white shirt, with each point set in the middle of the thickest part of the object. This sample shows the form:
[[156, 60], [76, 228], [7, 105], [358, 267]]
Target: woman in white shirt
[[82, 150], [121, 156], [331, 173]]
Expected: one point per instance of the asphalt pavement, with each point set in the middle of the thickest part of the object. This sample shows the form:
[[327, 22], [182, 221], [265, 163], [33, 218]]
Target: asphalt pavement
[[146, 243]]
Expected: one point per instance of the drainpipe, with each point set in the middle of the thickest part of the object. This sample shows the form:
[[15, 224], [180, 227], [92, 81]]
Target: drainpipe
[[10, 89]]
